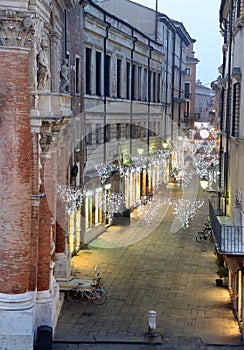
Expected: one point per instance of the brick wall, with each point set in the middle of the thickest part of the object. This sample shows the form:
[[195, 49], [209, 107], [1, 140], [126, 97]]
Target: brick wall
[[15, 160]]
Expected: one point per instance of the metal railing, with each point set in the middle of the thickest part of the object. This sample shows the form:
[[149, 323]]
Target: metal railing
[[229, 239]]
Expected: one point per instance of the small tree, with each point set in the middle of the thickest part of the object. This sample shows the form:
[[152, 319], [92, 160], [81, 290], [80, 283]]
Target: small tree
[[222, 271]]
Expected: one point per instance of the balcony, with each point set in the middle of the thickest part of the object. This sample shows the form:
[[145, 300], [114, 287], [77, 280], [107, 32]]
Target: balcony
[[51, 106], [229, 239]]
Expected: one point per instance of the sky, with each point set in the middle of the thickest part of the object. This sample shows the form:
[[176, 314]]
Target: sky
[[201, 20]]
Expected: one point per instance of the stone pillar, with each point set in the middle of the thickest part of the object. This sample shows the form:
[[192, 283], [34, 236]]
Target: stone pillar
[[16, 302], [62, 257], [47, 301], [35, 201]]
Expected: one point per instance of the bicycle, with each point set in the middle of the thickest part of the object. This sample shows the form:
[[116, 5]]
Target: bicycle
[[205, 233], [93, 293]]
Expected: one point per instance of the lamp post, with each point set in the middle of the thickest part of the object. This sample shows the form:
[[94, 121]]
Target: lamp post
[[205, 185]]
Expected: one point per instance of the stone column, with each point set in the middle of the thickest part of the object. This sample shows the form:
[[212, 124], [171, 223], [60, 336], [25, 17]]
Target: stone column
[[62, 257], [47, 301]]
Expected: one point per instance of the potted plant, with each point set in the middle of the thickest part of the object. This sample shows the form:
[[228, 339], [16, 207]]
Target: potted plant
[[222, 271]]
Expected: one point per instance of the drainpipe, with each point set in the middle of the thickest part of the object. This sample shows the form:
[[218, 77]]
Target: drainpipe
[[149, 93], [172, 87], [108, 25], [169, 24], [166, 82], [223, 29], [228, 110], [65, 33], [180, 82], [172, 100], [132, 87], [148, 110]]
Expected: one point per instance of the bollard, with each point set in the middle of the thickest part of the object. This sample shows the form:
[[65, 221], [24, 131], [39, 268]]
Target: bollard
[[152, 321]]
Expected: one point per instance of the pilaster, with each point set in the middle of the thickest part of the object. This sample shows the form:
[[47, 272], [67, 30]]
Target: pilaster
[[17, 321]]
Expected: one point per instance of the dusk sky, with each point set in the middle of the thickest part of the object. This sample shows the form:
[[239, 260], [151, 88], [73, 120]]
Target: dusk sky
[[201, 20]]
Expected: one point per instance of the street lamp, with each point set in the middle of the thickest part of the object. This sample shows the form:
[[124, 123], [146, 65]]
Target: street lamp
[[140, 151], [204, 183]]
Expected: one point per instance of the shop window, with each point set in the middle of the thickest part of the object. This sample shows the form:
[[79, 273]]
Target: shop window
[[88, 209]]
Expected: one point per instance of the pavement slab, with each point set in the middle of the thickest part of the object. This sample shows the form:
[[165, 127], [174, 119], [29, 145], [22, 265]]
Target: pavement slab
[[167, 272]]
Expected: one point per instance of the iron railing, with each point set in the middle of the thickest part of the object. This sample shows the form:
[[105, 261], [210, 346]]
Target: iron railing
[[229, 239]]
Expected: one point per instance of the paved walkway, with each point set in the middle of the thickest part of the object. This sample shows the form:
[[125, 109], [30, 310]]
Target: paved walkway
[[163, 271]]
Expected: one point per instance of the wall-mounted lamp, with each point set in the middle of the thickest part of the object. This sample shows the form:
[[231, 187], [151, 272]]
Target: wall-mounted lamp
[[204, 183], [140, 151], [107, 186]]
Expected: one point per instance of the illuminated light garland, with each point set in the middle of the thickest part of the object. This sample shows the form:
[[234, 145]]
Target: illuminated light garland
[[186, 209], [112, 203], [72, 197]]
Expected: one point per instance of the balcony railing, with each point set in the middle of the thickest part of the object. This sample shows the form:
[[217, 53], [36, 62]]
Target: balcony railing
[[229, 239]]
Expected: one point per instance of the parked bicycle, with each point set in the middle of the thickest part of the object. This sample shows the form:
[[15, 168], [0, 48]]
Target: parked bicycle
[[93, 292], [205, 233]]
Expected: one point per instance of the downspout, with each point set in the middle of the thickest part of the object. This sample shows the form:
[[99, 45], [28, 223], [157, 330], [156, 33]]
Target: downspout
[[166, 85], [180, 82], [228, 111], [132, 86], [149, 93], [156, 20], [172, 87], [108, 25], [65, 33], [224, 29], [172, 101], [149, 97]]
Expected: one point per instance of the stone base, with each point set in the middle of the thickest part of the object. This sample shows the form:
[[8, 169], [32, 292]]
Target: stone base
[[48, 306], [17, 321], [62, 267]]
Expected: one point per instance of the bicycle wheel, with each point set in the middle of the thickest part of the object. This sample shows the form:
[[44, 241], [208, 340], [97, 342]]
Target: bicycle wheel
[[99, 296], [200, 236], [74, 295]]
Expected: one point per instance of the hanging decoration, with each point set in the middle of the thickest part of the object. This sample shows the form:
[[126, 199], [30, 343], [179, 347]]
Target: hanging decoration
[[72, 197], [186, 209], [112, 203]]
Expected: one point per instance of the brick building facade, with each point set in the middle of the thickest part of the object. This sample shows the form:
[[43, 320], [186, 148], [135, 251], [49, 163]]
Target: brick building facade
[[47, 106], [35, 104]]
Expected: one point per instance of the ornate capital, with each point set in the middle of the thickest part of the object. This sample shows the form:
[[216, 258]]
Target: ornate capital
[[16, 29]]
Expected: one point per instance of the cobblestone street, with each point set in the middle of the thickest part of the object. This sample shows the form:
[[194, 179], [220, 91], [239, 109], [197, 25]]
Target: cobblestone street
[[167, 272]]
